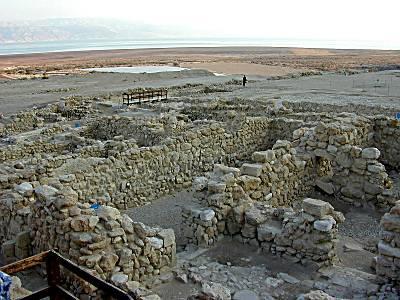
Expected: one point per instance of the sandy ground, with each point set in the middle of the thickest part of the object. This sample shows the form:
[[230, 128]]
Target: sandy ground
[[243, 68], [377, 88], [322, 59]]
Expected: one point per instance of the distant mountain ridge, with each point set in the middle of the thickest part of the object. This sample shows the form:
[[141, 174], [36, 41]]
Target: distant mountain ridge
[[79, 29]]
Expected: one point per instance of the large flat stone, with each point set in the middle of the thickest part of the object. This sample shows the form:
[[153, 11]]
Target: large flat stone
[[388, 250], [326, 187], [370, 153], [251, 169], [317, 207]]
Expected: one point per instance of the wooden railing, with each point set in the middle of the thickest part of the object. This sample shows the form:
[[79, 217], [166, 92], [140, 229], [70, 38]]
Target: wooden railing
[[144, 96], [54, 290]]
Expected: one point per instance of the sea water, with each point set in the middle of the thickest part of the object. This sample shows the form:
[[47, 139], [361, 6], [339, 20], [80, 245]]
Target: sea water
[[62, 46]]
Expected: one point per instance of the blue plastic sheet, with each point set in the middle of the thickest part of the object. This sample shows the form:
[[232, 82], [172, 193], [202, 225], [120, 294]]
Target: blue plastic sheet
[[95, 206], [5, 285]]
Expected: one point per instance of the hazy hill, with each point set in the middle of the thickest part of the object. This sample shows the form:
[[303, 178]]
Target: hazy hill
[[79, 29]]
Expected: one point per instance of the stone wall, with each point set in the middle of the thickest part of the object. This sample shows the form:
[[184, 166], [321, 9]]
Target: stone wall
[[15, 211], [302, 236], [387, 137], [134, 176], [278, 177], [337, 108], [97, 237], [147, 131], [388, 260], [352, 172], [71, 108]]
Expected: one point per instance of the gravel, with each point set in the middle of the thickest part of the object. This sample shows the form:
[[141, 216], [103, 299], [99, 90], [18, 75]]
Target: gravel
[[166, 212]]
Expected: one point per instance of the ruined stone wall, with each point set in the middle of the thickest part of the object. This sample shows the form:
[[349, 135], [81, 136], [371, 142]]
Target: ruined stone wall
[[388, 259], [302, 236], [135, 176], [100, 238], [355, 173], [17, 152], [387, 137], [15, 211], [336, 108], [278, 178], [34, 118], [146, 131]]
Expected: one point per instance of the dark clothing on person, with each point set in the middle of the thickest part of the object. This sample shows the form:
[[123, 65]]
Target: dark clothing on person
[[244, 80]]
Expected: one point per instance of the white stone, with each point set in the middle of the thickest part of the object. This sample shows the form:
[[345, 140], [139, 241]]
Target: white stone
[[245, 295], [386, 249], [287, 278], [317, 207], [168, 236], [370, 153], [156, 242], [324, 225], [119, 279], [200, 183], [108, 213], [216, 291], [24, 188], [207, 215], [44, 192]]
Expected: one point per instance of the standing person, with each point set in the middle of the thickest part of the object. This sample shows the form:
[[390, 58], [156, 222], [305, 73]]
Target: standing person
[[244, 80]]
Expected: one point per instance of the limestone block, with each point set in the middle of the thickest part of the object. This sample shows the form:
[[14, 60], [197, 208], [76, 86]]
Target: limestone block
[[267, 232], [370, 153], [255, 216], [249, 182], [23, 239], [373, 188], [386, 249], [326, 187], [216, 187], [119, 279], [21, 253], [24, 188], [249, 231], [317, 207], [245, 295], [344, 160], [8, 249], [155, 242], [222, 170], [251, 169], [200, 183], [127, 224], [324, 225], [108, 261], [376, 168], [168, 236], [108, 213], [352, 191], [391, 222], [264, 156], [44, 192], [67, 198], [212, 290], [207, 215], [282, 144]]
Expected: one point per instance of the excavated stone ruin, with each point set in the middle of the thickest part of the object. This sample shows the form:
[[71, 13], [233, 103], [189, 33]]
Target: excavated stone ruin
[[252, 170]]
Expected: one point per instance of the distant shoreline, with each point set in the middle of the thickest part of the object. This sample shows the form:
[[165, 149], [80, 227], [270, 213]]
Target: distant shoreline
[[287, 57]]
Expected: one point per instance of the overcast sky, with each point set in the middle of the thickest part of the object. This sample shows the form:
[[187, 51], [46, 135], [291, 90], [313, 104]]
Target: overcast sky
[[313, 19]]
